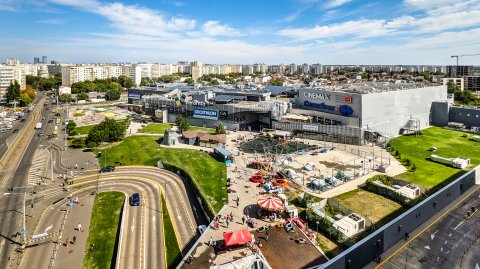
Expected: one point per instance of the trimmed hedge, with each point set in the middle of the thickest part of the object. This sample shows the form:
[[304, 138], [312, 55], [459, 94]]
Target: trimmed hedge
[[325, 225], [388, 193]]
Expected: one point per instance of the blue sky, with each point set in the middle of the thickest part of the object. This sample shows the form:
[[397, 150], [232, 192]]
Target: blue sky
[[248, 31]]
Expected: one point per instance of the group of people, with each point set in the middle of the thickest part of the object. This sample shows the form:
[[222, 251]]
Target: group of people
[[225, 219]]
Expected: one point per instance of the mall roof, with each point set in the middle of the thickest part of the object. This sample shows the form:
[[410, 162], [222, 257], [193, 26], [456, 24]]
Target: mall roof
[[374, 87], [228, 98]]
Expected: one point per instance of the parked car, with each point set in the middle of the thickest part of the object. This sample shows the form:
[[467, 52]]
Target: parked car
[[22, 120], [202, 229], [41, 134], [107, 169], [135, 199]]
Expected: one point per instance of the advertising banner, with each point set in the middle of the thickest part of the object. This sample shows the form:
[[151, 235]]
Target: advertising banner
[[307, 127], [205, 114]]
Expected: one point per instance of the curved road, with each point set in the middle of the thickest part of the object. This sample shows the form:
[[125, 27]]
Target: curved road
[[142, 243]]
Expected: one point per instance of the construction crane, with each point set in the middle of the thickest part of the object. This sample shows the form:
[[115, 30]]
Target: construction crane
[[463, 55]]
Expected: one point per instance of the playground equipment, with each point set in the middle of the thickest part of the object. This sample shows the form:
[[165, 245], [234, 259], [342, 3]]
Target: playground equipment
[[280, 182], [256, 179]]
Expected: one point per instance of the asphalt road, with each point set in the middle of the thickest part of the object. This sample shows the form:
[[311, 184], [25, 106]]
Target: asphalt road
[[452, 242], [11, 205]]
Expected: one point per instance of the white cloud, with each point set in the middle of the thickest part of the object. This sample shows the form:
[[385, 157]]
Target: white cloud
[[214, 28], [52, 21], [335, 3]]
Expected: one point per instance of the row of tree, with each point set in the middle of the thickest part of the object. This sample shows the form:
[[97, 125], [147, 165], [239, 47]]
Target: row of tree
[[103, 85], [25, 97], [44, 84], [107, 131]]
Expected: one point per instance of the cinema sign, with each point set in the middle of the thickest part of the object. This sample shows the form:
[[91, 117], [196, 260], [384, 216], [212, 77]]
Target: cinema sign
[[317, 95]]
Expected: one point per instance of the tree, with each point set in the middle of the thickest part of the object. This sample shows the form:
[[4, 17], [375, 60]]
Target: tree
[[112, 95], [220, 129], [30, 92], [144, 81], [107, 131], [65, 98], [71, 125], [24, 99], [182, 123], [414, 167], [276, 82], [78, 142], [452, 87], [189, 81], [82, 96], [13, 92], [126, 82]]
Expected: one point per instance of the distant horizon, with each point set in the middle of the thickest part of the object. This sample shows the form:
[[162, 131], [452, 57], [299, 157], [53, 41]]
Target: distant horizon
[[332, 32]]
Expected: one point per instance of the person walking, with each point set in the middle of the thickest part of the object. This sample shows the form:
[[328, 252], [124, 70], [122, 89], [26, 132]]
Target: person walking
[[67, 242], [238, 203], [243, 220], [227, 222], [210, 241], [267, 234], [74, 240], [79, 227]]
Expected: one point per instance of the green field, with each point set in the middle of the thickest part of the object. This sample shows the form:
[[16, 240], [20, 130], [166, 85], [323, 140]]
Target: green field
[[376, 207], [448, 143], [173, 250], [208, 130], [145, 150], [155, 128], [84, 129], [104, 225]]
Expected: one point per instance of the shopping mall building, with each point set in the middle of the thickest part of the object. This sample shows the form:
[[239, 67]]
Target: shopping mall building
[[349, 113]]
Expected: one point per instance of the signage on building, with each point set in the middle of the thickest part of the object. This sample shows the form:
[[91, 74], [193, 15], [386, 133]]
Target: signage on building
[[205, 114], [134, 95], [307, 127], [347, 99], [198, 103], [223, 113], [317, 95], [342, 109]]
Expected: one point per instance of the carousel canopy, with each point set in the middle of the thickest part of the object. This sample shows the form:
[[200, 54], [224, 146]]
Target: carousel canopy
[[270, 202]]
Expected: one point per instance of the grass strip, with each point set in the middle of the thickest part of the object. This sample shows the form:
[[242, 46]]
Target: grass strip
[[104, 226], [174, 255]]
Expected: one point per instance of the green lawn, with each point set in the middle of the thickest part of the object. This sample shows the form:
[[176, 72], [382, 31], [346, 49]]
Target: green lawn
[[173, 250], [104, 225], [376, 207], [84, 129], [155, 128], [195, 128], [449, 144], [78, 115], [145, 150]]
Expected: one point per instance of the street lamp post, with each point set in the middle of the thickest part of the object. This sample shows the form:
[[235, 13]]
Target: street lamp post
[[317, 230]]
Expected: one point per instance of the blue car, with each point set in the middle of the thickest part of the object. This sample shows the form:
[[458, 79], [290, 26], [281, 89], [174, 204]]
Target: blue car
[[135, 199], [107, 169]]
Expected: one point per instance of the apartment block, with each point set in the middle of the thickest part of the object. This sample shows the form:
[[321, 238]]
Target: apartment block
[[9, 74]]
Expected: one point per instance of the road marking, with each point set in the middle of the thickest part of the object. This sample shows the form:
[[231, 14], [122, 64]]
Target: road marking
[[433, 235], [450, 235], [461, 222], [445, 242], [427, 247], [438, 258], [178, 215], [153, 218], [1, 244], [441, 250], [426, 228], [133, 224]]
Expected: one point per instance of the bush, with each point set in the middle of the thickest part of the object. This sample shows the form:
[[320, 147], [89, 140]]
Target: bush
[[414, 167], [325, 225], [78, 142], [407, 162], [386, 192], [91, 144]]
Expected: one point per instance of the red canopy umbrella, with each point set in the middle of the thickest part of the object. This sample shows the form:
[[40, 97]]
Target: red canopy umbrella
[[237, 237], [270, 202]]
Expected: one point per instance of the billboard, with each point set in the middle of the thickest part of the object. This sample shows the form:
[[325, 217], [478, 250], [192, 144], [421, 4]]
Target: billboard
[[205, 114], [133, 95], [307, 127]]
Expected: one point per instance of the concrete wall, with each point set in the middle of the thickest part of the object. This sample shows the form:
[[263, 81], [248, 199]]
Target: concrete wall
[[440, 111], [467, 116], [388, 112], [373, 245]]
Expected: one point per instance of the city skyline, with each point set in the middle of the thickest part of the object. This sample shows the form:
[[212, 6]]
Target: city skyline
[[343, 32]]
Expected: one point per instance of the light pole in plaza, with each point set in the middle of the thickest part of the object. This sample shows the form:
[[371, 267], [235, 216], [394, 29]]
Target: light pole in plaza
[[317, 229]]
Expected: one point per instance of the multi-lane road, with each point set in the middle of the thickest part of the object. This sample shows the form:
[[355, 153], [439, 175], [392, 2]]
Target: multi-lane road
[[142, 243]]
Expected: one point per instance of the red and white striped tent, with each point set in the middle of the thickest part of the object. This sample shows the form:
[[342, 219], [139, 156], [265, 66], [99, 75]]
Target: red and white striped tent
[[270, 202]]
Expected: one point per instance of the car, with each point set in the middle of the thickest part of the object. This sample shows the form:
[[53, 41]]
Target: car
[[41, 134], [22, 120], [135, 199], [201, 229], [107, 169], [15, 131]]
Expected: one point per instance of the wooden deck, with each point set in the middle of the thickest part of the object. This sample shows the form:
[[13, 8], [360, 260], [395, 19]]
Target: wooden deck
[[282, 251]]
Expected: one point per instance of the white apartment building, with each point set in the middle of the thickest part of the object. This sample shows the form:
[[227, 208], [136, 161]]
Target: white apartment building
[[79, 73], [8, 74]]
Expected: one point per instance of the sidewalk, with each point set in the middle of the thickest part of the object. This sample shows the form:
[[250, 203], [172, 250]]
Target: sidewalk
[[72, 257]]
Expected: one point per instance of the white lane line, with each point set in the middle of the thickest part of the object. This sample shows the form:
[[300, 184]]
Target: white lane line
[[441, 250], [178, 214], [445, 242], [1, 244], [459, 225]]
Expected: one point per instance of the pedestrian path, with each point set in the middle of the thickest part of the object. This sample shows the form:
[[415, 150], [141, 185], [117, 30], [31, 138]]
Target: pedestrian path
[[37, 174]]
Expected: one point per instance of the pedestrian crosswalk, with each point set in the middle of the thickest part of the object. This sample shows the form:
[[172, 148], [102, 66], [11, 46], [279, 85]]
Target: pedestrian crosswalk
[[38, 169]]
